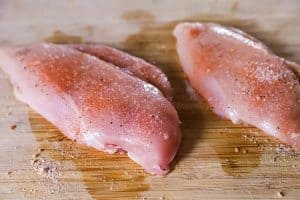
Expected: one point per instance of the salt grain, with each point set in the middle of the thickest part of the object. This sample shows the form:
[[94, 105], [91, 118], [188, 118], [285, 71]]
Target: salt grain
[[46, 168], [236, 150], [280, 194]]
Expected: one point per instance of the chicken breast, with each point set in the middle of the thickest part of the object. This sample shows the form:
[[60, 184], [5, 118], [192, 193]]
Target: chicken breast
[[241, 78], [130, 64], [95, 103]]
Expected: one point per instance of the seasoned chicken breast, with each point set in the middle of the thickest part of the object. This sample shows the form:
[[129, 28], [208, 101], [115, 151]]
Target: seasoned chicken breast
[[241, 78], [96, 103]]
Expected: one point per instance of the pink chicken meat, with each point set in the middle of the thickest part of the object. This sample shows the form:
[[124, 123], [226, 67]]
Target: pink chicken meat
[[241, 78], [129, 64], [96, 103]]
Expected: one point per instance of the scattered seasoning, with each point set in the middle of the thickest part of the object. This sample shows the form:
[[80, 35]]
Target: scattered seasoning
[[33, 191], [33, 161], [13, 127], [280, 194], [8, 173], [236, 150], [47, 169], [36, 155], [288, 151]]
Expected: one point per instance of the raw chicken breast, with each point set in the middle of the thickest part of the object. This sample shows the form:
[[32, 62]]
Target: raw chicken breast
[[95, 103], [130, 64], [241, 78]]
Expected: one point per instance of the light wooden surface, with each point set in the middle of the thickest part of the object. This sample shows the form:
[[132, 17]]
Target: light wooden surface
[[217, 160]]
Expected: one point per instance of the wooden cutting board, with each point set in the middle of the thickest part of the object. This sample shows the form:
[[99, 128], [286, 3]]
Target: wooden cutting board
[[217, 160]]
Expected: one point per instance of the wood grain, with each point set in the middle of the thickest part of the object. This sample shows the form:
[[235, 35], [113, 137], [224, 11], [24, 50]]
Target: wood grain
[[217, 160]]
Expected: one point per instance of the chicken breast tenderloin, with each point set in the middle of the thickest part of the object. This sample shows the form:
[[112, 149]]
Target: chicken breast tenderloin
[[129, 64], [241, 78], [95, 103]]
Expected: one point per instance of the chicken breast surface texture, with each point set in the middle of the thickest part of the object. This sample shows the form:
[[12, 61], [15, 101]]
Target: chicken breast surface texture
[[241, 78], [96, 103], [129, 64]]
